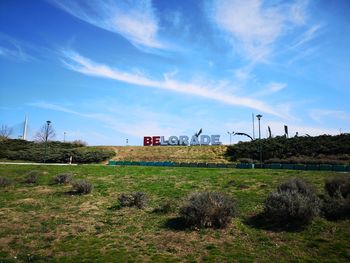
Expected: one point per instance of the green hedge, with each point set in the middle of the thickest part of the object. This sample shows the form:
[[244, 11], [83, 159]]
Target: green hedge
[[56, 152], [325, 149]]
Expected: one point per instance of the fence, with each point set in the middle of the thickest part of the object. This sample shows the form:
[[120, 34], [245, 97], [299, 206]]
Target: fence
[[307, 167]]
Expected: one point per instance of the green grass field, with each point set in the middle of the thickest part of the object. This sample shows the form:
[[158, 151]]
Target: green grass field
[[43, 222]]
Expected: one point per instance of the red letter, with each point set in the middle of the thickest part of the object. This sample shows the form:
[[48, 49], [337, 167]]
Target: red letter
[[156, 140], [147, 141]]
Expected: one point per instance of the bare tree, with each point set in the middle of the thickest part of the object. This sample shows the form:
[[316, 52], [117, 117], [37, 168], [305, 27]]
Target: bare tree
[[5, 132], [46, 133]]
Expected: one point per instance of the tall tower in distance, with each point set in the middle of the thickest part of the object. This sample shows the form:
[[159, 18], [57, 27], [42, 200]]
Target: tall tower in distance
[[25, 128]]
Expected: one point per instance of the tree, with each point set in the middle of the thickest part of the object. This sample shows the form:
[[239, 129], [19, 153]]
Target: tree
[[5, 132], [46, 133]]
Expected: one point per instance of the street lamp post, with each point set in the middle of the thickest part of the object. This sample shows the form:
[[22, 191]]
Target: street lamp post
[[46, 138], [64, 136], [230, 133], [260, 150]]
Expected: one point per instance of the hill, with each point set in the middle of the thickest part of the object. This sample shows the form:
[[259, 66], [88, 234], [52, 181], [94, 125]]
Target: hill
[[187, 154]]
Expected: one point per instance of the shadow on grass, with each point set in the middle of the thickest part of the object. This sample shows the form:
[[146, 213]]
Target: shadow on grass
[[68, 193], [260, 221], [176, 224]]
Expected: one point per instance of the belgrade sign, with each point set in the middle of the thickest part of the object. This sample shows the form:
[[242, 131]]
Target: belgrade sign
[[182, 140]]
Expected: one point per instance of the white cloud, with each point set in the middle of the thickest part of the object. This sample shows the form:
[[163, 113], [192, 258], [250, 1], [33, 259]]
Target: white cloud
[[254, 25], [76, 62], [135, 20]]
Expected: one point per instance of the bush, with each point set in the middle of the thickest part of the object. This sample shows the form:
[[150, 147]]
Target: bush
[[138, 199], [337, 204], [32, 177], [82, 187], [4, 181], [209, 209], [338, 186], [296, 185], [63, 178], [336, 208], [57, 152], [294, 203], [324, 149]]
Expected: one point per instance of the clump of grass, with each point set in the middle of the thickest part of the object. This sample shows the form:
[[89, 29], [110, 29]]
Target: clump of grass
[[4, 181], [31, 177], [82, 187], [294, 203], [63, 178], [138, 199], [209, 209]]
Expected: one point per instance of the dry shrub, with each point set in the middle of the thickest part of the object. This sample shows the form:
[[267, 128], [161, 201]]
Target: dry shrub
[[338, 186], [337, 204], [82, 187], [31, 177], [63, 178], [209, 209], [138, 199], [293, 203]]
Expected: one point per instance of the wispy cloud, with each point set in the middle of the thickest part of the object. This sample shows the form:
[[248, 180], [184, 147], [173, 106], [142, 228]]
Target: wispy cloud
[[254, 26], [320, 114], [135, 20], [271, 88], [76, 62], [12, 49], [307, 36], [148, 125]]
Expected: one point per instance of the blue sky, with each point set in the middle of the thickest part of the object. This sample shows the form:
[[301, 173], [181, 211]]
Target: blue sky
[[107, 71]]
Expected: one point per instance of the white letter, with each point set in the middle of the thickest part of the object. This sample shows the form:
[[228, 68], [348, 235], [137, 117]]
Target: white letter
[[173, 140], [183, 140], [215, 140], [194, 140], [205, 140], [162, 141]]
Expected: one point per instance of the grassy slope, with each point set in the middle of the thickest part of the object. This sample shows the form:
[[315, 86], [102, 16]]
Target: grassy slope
[[42, 222], [214, 154]]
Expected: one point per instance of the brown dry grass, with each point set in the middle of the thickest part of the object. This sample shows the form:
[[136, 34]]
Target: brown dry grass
[[202, 154]]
